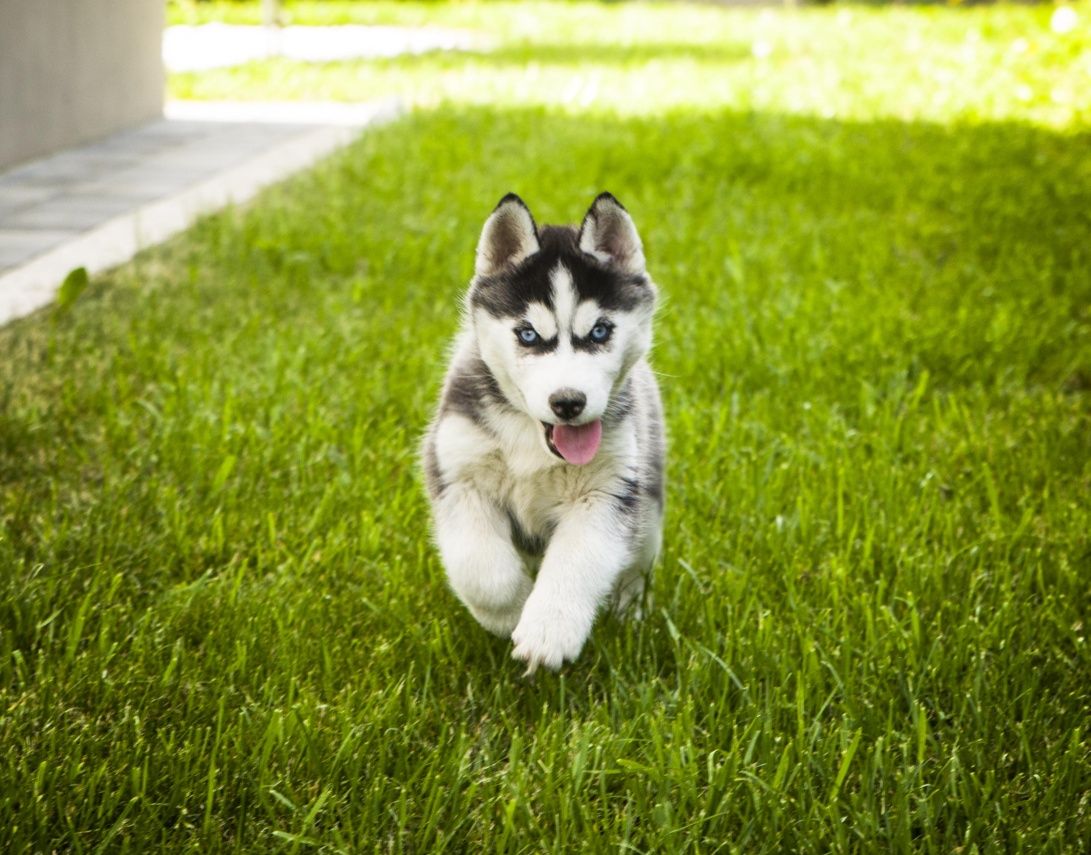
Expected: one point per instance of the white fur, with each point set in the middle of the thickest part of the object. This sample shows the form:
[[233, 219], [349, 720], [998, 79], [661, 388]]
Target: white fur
[[483, 566], [543, 320], [588, 314], [589, 556], [459, 443], [529, 379], [497, 468], [564, 297]]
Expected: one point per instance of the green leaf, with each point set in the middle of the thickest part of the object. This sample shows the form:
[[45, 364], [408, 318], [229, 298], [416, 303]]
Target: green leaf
[[74, 284], [846, 759]]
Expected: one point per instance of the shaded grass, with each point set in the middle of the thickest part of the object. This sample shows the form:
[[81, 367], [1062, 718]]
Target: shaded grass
[[222, 626]]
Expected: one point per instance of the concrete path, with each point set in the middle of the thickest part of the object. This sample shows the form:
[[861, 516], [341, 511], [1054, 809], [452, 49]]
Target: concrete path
[[192, 48], [97, 205]]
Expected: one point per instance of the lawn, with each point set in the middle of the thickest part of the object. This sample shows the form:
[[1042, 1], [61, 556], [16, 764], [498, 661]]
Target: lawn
[[223, 625]]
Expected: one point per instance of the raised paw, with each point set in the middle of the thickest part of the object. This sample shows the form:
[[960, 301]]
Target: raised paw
[[548, 635]]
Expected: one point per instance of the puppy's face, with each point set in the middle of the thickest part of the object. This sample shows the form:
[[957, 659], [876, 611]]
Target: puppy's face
[[561, 315]]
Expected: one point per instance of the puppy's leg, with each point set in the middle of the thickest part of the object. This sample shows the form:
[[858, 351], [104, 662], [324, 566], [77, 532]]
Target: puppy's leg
[[629, 599], [485, 571], [586, 555]]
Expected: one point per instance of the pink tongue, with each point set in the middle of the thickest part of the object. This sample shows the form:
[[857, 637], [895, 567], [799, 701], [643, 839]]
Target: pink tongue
[[578, 444]]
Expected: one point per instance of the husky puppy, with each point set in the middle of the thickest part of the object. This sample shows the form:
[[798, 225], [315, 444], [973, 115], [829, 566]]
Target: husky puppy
[[546, 451]]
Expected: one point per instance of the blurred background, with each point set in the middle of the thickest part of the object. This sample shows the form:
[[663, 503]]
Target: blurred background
[[74, 72]]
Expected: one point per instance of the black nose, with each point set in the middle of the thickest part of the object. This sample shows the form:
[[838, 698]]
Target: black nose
[[567, 403]]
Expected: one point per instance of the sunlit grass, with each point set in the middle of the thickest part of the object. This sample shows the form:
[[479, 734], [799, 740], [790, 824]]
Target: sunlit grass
[[223, 627], [989, 63]]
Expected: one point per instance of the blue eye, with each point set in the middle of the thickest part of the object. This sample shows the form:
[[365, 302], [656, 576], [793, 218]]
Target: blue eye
[[527, 336], [600, 332]]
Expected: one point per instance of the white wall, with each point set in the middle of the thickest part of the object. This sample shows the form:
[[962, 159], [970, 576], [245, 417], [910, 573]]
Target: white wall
[[73, 70]]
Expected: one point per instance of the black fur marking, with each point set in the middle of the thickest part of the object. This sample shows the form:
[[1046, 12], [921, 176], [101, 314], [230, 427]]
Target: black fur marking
[[432, 476], [508, 293], [470, 389], [653, 487], [523, 541], [514, 197], [629, 497], [603, 196], [540, 346], [653, 481], [620, 406], [589, 346]]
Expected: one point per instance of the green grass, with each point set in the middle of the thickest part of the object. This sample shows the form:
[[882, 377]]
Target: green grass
[[223, 627], [998, 63]]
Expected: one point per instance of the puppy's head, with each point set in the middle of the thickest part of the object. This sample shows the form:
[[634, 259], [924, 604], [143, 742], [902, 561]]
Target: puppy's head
[[560, 315]]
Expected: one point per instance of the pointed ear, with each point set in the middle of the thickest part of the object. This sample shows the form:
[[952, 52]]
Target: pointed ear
[[508, 237], [608, 234]]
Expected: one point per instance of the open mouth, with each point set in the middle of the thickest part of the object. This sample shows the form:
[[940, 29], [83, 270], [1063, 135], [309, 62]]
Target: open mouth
[[575, 444]]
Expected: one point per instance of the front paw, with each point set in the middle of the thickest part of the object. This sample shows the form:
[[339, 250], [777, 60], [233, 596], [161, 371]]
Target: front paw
[[549, 635]]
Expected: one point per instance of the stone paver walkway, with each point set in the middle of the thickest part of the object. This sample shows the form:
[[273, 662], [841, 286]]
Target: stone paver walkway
[[97, 205]]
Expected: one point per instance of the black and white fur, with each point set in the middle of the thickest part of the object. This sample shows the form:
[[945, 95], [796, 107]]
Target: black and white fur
[[504, 503]]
